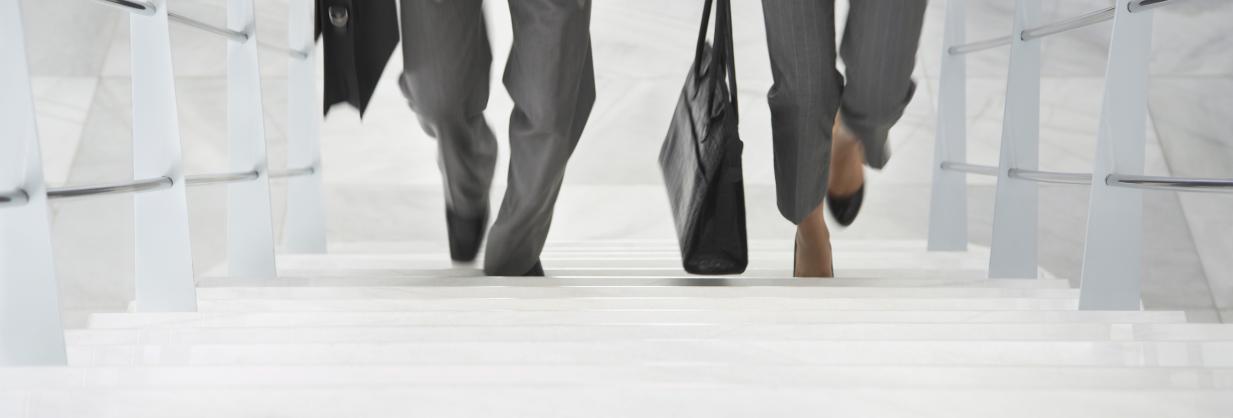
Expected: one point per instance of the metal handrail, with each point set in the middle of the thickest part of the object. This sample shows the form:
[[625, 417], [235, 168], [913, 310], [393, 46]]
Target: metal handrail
[[979, 45], [986, 170], [133, 6], [1181, 184], [104, 189], [293, 172], [17, 197], [217, 30], [1064, 25], [1050, 176], [146, 8], [1141, 5], [1086, 19], [221, 178]]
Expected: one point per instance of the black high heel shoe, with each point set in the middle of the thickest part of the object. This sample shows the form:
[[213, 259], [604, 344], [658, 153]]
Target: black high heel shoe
[[465, 235], [845, 209], [536, 271]]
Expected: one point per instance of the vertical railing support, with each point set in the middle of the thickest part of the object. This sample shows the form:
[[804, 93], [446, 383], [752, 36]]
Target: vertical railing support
[[30, 328], [164, 262], [304, 225], [1013, 250], [948, 206], [250, 226], [1112, 253]]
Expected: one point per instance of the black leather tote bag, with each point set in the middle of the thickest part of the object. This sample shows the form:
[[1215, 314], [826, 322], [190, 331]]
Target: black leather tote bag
[[359, 38], [701, 157]]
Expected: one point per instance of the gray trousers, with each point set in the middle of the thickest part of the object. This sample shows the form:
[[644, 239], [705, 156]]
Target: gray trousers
[[550, 77], [879, 51]]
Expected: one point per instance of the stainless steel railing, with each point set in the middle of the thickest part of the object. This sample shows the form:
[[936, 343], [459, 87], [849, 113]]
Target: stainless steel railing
[[1180, 184], [233, 35], [985, 170], [146, 8], [293, 172], [1064, 25], [221, 178], [1140, 182], [14, 198], [20, 197], [1050, 176], [137, 186]]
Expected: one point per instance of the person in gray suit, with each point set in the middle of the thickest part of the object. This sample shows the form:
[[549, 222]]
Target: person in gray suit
[[549, 75], [826, 127]]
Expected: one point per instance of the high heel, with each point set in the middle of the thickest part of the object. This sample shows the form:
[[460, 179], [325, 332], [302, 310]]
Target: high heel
[[795, 247], [845, 209]]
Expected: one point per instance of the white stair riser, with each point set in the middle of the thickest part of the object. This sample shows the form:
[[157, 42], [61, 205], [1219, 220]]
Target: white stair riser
[[660, 245], [614, 401], [621, 332], [921, 261], [716, 292], [873, 377], [685, 351], [587, 317], [742, 282], [572, 304], [619, 272]]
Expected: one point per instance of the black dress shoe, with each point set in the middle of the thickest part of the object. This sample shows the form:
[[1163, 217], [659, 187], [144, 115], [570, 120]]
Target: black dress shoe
[[536, 271], [465, 235], [845, 209]]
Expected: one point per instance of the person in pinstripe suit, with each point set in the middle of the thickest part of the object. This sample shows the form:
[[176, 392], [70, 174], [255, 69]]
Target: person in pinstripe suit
[[827, 126]]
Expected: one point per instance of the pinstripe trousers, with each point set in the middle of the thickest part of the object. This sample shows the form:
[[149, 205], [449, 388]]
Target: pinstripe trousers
[[551, 78], [878, 50]]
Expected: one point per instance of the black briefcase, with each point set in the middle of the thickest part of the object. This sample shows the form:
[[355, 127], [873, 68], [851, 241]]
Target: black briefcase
[[359, 37], [701, 157]]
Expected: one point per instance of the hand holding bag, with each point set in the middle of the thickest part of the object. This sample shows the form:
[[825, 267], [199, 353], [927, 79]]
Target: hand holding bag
[[701, 157]]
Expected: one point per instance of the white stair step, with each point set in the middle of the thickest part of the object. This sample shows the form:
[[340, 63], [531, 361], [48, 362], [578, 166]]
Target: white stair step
[[611, 281], [587, 317], [387, 376], [658, 245], [619, 261], [634, 332], [846, 353], [782, 272], [573, 304], [649, 400], [821, 294]]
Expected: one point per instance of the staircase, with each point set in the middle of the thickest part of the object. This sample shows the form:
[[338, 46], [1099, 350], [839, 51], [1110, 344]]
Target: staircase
[[395, 330]]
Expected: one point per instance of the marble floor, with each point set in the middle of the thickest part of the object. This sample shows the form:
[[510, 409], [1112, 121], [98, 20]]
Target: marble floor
[[79, 57]]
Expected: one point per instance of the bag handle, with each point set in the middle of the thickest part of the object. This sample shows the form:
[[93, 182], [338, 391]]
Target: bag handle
[[723, 55], [723, 31]]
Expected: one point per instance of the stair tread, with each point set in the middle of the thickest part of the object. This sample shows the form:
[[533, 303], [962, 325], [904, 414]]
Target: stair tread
[[591, 316], [612, 281], [621, 401], [970, 353], [616, 261], [388, 376], [620, 332], [820, 293], [569, 304]]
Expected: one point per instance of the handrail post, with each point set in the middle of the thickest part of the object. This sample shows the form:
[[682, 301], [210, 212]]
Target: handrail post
[[948, 206], [1112, 253], [30, 329], [304, 224], [250, 225], [1013, 250], [164, 264]]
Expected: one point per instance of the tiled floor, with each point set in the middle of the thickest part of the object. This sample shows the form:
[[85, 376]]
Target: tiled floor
[[642, 48]]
